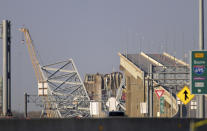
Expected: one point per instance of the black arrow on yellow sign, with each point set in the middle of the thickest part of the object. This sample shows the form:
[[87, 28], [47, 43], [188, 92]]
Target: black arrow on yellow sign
[[185, 92], [185, 95]]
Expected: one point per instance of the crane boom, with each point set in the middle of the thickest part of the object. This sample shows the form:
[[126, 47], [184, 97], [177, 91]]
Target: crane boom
[[32, 54], [42, 87]]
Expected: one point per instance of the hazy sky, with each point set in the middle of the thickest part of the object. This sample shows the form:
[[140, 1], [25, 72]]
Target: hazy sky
[[92, 32]]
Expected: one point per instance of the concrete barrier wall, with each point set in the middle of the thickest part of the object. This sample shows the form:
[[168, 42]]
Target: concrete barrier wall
[[113, 124]]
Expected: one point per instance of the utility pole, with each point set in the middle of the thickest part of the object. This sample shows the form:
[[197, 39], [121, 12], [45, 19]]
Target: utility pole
[[201, 25], [6, 38], [25, 105], [201, 98], [148, 93], [151, 90]]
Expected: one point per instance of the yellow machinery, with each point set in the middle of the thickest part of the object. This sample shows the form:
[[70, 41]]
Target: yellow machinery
[[42, 84], [32, 55]]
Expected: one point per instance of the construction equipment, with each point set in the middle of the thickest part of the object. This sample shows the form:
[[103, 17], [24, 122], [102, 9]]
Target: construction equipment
[[59, 85], [42, 84]]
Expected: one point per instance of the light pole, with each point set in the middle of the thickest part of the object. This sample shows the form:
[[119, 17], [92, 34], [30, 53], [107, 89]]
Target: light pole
[[201, 98]]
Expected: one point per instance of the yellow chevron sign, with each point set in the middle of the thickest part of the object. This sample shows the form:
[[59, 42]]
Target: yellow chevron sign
[[185, 95]]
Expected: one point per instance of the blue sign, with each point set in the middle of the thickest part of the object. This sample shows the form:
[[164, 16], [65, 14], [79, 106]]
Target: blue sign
[[198, 69]]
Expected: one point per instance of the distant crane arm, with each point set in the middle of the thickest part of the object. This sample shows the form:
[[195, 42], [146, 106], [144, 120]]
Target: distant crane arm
[[32, 54]]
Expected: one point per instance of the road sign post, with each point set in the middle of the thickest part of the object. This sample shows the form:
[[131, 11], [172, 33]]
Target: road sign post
[[159, 93], [199, 72], [185, 95], [162, 100]]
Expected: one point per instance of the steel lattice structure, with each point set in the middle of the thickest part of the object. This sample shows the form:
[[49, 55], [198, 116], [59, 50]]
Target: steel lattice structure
[[60, 86], [66, 93]]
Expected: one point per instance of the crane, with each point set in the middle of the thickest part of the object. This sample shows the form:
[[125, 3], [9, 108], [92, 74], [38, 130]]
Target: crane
[[42, 85], [64, 94]]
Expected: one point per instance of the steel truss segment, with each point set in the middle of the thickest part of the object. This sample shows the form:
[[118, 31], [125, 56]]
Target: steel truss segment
[[66, 92]]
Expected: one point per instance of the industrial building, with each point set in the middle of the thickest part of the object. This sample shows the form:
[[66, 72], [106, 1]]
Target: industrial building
[[99, 85], [102, 87]]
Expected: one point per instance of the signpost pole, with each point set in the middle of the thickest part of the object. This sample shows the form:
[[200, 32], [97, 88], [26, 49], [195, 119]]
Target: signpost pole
[[171, 102], [25, 105], [151, 90], [148, 100], [159, 107], [181, 109], [201, 46]]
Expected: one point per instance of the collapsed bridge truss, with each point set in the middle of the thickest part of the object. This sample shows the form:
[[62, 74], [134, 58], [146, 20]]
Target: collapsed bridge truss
[[66, 93], [59, 85]]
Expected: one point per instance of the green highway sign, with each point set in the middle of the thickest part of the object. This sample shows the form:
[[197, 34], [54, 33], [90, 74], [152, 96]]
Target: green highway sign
[[198, 72], [162, 100]]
